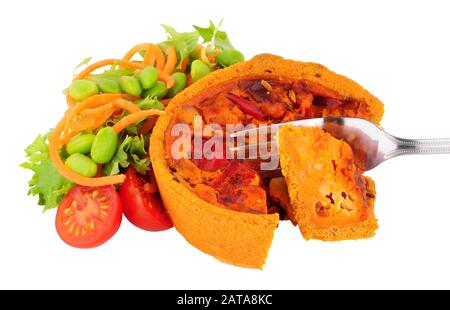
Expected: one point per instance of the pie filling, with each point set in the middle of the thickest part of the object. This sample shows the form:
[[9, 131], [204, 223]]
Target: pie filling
[[238, 184]]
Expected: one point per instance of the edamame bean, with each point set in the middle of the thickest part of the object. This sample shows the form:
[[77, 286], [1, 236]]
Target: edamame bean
[[82, 165], [148, 77], [81, 89], [130, 85], [229, 57], [108, 86], [80, 144], [104, 145], [198, 70], [159, 90], [180, 80]]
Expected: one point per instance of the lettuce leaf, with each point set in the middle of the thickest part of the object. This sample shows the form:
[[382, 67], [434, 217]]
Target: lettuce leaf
[[184, 42], [47, 183], [85, 62], [120, 160], [150, 103], [212, 34], [132, 151]]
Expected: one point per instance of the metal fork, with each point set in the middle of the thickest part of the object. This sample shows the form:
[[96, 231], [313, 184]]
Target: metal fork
[[371, 144]]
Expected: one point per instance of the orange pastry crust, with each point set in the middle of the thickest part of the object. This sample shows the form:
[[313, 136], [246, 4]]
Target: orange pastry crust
[[234, 237], [330, 197]]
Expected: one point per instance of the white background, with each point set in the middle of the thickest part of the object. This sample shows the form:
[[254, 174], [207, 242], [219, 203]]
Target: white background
[[398, 50]]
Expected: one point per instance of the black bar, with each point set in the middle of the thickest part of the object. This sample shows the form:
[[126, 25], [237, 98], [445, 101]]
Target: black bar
[[225, 299]]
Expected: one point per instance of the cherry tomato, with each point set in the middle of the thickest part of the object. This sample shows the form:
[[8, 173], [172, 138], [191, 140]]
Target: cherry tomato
[[141, 203], [89, 216]]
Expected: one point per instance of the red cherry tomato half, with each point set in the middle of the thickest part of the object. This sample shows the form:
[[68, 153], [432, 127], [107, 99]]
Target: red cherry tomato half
[[89, 216], [141, 203]]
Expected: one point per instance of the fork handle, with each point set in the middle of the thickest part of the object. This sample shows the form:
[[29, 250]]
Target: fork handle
[[422, 146]]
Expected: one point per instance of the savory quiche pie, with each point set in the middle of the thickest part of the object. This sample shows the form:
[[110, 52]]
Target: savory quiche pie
[[226, 207]]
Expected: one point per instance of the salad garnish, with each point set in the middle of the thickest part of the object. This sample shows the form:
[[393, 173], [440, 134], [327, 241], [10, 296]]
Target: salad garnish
[[112, 106]]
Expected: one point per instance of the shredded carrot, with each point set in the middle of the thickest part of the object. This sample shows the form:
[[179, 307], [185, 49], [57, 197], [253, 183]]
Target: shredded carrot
[[133, 118], [94, 112], [152, 53], [88, 119], [184, 64], [78, 126], [99, 116], [129, 64], [203, 55], [96, 65], [91, 102], [160, 59], [149, 59], [208, 59], [69, 174], [126, 105], [69, 100], [171, 60], [132, 64], [199, 51], [166, 78], [212, 57], [101, 119], [82, 124], [108, 62], [95, 101], [86, 123], [100, 102], [135, 49]]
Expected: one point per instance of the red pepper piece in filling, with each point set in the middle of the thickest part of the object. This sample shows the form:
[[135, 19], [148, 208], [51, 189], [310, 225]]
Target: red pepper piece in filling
[[330, 103], [246, 106], [316, 89], [322, 95], [235, 175]]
